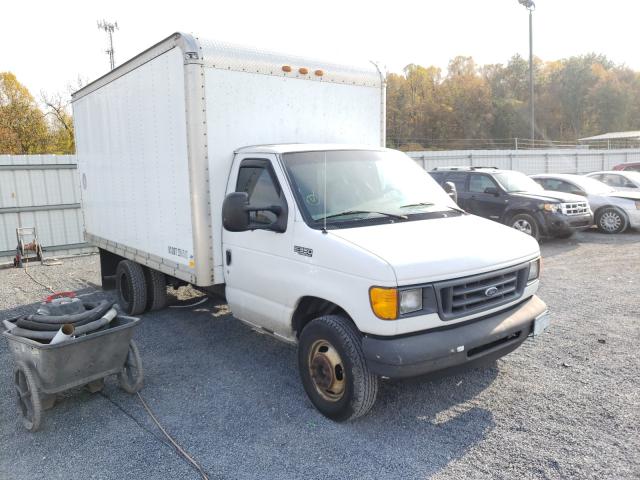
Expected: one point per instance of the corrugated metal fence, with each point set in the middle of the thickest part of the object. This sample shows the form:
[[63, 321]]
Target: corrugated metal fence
[[529, 161], [41, 191]]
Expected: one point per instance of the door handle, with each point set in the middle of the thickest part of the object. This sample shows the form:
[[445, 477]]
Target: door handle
[[228, 257]]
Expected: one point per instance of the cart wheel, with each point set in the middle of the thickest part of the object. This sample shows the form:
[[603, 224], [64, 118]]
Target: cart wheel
[[27, 397], [132, 375]]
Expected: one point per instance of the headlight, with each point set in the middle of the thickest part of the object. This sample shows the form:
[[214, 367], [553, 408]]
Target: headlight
[[551, 207], [534, 270], [410, 300], [384, 302]]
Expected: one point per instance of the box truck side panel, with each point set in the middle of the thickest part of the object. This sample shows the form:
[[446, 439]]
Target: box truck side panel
[[252, 109], [133, 150]]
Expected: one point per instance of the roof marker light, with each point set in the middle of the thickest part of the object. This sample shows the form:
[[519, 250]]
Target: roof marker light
[[286, 68]]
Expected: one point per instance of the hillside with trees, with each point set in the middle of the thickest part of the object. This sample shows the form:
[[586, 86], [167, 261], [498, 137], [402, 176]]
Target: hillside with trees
[[575, 97]]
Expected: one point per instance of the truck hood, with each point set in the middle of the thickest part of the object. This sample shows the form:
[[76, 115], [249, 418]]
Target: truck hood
[[436, 249], [549, 195]]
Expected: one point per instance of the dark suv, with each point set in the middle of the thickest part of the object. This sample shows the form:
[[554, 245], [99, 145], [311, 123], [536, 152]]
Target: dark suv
[[514, 199]]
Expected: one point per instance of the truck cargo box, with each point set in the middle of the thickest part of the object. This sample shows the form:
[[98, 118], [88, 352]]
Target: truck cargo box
[[156, 137]]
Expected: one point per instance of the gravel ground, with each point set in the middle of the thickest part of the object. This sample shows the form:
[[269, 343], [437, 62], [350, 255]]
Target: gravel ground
[[566, 405]]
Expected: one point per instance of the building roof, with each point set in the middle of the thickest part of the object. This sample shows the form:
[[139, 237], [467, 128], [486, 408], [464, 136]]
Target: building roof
[[613, 136]]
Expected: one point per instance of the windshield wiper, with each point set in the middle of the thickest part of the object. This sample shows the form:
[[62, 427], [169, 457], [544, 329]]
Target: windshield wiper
[[419, 204], [356, 212]]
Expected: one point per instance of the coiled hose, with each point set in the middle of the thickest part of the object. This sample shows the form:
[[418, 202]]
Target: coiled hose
[[95, 318]]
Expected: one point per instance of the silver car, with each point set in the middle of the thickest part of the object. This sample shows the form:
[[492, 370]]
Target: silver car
[[613, 210], [619, 180]]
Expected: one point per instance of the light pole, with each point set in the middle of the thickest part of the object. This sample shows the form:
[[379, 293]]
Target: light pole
[[531, 6]]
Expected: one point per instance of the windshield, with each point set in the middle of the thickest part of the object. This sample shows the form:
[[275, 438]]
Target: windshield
[[517, 182], [347, 185]]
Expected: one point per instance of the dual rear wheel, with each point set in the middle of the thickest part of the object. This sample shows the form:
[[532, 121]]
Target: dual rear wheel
[[139, 288]]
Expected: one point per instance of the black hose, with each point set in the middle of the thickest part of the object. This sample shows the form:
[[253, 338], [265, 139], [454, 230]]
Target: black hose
[[48, 335], [24, 322], [75, 319]]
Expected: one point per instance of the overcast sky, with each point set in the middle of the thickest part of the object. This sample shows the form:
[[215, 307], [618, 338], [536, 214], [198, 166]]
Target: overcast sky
[[47, 44]]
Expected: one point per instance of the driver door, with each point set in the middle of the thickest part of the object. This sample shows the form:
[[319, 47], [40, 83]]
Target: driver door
[[256, 262]]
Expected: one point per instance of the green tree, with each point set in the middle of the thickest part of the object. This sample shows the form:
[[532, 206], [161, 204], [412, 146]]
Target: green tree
[[23, 128]]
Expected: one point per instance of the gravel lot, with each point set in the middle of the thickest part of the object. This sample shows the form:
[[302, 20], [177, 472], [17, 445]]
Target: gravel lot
[[566, 405]]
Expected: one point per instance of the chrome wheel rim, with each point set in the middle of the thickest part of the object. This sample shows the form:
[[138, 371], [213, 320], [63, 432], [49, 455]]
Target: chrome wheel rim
[[327, 371], [523, 226], [610, 221]]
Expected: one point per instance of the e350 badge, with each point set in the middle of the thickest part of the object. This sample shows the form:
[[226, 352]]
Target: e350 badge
[[304, 251]]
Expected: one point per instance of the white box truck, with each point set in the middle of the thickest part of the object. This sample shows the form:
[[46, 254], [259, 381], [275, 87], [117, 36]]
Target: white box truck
[[264, 177]]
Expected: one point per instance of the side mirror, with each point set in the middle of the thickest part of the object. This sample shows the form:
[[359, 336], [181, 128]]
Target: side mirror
[[492, 191], [451, 190], [236, 214]]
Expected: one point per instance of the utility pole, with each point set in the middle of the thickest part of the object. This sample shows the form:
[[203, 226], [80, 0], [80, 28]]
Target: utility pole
[[531, 6], [109, 28]]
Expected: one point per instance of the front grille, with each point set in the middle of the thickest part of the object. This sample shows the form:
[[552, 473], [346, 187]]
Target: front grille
[[577, 208], [469, 295]]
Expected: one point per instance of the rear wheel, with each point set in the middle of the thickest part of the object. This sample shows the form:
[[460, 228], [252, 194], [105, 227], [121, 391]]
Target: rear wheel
[[156, 283], [526, 224], [27, 396], [611, 220], [333, 369], [131, 287]]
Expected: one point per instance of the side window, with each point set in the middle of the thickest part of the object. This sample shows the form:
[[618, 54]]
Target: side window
[[559, 186], [598, 176], [459, 179], [478, 183], [256, 178], [614, 180]]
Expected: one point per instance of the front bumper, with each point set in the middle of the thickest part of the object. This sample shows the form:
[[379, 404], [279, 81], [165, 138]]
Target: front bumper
[[560, 224], [454, 346]]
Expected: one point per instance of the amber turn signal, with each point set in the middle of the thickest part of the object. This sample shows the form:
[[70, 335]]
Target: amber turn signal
[[384, 302]]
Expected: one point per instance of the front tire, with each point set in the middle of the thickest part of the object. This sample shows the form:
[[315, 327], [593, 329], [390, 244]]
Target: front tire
[[526, 224], [611, 220], [333, 369]]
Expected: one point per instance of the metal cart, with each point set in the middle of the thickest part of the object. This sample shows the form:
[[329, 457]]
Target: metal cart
[[42, 370]]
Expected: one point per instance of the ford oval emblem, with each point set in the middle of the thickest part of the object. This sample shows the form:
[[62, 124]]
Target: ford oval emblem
[[491, 291]]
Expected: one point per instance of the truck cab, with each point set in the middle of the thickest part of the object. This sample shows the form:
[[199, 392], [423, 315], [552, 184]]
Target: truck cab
[[356, 254]]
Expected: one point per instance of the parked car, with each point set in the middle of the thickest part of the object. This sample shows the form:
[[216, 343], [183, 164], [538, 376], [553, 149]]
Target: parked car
[[634, 167], [512, 198], [613, 210], [619, 180]]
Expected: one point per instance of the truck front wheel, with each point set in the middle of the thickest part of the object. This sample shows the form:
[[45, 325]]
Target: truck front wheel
[[333, 369], [131, 287]]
